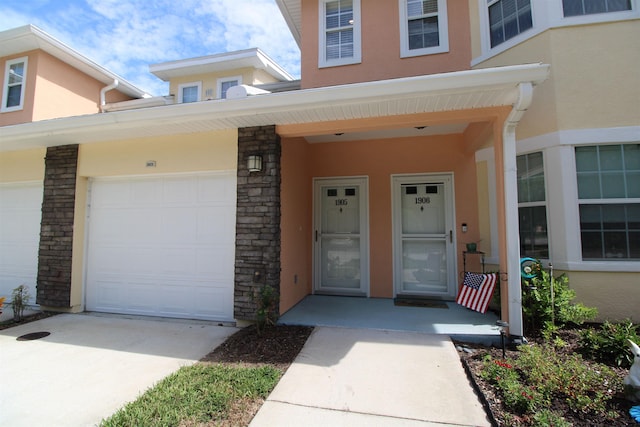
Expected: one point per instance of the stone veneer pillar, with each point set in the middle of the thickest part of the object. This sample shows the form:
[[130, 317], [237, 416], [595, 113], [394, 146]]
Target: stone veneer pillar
[[56, 229], [258, 219]]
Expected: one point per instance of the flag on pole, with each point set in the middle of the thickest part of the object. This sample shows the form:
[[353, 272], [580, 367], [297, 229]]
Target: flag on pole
[[477, 290]]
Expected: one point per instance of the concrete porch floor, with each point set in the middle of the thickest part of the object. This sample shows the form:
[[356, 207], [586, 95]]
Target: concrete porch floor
[[380, 313]]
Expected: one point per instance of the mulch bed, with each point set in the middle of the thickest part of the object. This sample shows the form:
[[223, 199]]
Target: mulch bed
[[27, 319], [472, 360]]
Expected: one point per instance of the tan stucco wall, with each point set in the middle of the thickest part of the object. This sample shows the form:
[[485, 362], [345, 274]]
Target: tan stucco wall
[[19, 166], [616, 295], [381, 46], [173, 154], [295, 223], [210, 80], [594, 80]]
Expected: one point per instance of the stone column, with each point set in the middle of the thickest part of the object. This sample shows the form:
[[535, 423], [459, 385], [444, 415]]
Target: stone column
[[56, 229], [258, 219]]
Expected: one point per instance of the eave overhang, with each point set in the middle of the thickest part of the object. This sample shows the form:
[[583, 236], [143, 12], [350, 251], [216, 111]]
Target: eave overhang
[[463, 90]]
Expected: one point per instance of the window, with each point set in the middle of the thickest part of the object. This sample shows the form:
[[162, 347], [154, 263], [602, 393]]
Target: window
[[609, 201], [340, 32], [225, 83], [14, 83], [189, 92], [508, 18], [532, 207], [589, 7], [423, 26]]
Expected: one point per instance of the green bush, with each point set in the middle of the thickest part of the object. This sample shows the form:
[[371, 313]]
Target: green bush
[[20, 297], [608, 344], [267, 307], [538, 311]]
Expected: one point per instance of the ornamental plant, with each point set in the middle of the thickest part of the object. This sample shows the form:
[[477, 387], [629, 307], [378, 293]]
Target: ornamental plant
[[543, 312], [20, 298], [608, 344]]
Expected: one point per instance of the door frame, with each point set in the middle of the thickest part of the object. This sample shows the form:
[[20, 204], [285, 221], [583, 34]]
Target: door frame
[[363, 182], [397, 180]]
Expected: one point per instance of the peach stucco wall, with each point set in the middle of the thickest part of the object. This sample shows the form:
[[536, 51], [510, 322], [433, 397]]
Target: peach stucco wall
[[378, 160], [381, 46], [54, 89]]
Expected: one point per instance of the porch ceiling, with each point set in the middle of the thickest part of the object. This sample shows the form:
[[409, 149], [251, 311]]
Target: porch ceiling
[[308, 113]]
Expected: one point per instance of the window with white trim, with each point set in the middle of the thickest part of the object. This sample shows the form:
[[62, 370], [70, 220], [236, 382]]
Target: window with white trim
[[339, 32], [225, 83], [609, 201], [590, 7], [189, 92], [423, 27], [532, 206], [507, 19], [14, 83]]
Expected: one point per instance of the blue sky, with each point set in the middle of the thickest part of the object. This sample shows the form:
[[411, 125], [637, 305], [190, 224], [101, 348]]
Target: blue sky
[[126, 36]]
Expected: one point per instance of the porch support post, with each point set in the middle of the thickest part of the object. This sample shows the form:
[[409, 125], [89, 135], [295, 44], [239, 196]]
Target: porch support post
[[511, 228]]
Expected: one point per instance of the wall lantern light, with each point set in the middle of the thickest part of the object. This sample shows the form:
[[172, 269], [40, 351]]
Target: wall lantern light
[[254, 163]]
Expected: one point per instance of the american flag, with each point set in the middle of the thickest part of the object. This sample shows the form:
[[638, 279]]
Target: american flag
[[477, 290]]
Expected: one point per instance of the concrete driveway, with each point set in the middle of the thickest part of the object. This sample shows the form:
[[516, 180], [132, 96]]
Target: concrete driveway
[[91, 365]]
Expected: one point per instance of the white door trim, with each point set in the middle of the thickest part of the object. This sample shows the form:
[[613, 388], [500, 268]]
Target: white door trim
[[363, 183], [397, 181]]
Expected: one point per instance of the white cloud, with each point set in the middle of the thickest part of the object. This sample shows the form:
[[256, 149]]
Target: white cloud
[[127, 36]]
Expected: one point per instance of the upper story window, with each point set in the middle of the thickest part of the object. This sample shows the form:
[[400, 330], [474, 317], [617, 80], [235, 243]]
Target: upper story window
[[589, 7], [508, 18], [339, 32], [225, 83], [609, 201], [14, 82], [532, 206], [189, 92], [423, 26]]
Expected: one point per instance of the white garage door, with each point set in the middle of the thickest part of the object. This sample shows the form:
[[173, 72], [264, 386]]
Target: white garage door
[[162, 246], [20, 214]]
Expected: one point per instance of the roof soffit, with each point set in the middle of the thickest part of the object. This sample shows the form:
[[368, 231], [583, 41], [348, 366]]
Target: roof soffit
[[469, 90]]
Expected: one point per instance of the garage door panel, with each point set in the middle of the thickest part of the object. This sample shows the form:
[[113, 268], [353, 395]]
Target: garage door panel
[[20, 215], [170, 255]]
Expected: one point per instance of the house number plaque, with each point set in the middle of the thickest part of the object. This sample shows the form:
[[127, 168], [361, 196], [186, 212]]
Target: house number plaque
[[423, 200], [342, 202]]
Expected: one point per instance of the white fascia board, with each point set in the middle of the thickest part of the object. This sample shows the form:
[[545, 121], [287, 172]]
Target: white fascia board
[[253, 57], [282, 104]]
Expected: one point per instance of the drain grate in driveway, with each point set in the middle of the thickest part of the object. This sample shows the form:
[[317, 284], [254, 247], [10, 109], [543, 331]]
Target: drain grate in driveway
[[33, 336]]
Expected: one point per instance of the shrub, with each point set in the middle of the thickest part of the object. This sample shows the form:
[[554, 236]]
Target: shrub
[[20, 298], [546, 417], [267, 307], [608, 344], [529, 383], [538, 311]]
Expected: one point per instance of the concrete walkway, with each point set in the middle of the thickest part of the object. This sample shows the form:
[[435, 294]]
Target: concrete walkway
[[364, 377], [91, 365]]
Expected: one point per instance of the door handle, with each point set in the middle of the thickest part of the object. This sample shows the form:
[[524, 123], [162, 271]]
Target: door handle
[[316, 235], [450, 236]]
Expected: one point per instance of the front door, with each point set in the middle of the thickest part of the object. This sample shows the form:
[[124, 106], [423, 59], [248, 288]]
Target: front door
[[423, 236], [341, 256]]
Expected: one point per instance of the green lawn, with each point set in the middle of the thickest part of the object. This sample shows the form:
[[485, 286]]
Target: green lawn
[[201, 393]]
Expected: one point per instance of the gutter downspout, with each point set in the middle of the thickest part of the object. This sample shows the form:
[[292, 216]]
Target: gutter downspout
[[525, 96], [103, 93]]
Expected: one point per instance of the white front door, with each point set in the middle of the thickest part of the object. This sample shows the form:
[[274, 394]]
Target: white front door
[[424, 252], [341, 255]]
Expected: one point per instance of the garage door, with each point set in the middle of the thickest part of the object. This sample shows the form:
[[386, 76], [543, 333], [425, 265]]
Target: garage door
[[162, 246], [20, 214]]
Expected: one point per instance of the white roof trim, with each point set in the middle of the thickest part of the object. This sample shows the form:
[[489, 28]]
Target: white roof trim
[[470, 89], [29, 37], [291, 11], [254, 58]]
